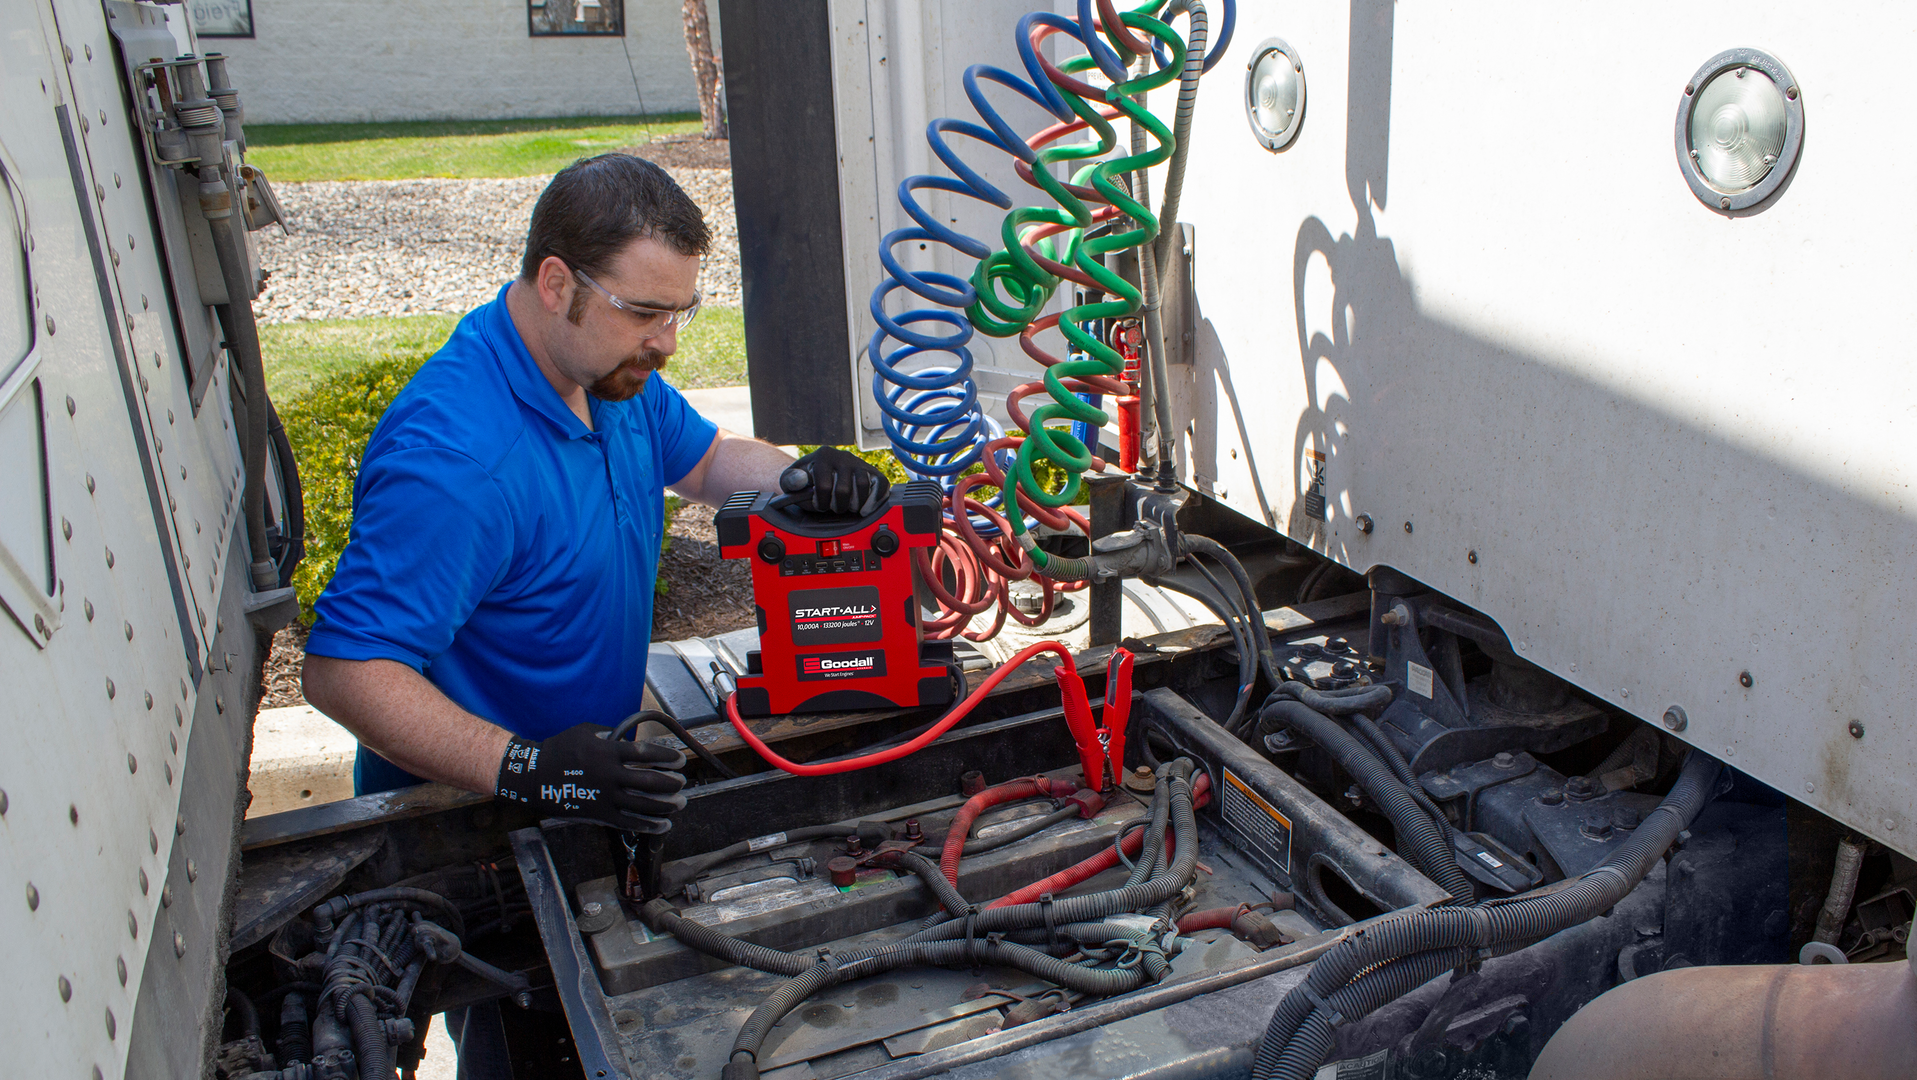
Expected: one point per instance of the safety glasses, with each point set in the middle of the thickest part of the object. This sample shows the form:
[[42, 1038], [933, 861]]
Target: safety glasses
[[651, 321]]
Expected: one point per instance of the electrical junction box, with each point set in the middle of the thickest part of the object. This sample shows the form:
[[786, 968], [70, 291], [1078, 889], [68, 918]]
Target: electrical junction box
[[838, 617]]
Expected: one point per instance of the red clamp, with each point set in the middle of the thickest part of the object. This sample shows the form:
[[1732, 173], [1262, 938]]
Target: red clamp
[[1101, 744]]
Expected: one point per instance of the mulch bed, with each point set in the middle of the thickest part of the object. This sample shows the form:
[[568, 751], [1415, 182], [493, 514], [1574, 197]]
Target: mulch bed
[[685, 152]]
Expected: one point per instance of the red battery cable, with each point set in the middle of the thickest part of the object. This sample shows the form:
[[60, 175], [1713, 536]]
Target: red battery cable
[[1066, 668]]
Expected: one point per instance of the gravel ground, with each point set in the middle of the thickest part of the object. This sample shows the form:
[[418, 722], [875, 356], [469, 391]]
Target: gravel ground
[[363, 248]]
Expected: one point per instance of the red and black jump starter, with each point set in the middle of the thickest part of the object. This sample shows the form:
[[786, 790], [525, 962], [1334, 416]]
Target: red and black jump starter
[[838, 618]]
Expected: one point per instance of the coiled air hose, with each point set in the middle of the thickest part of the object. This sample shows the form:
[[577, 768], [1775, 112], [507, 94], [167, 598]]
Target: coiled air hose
[[931, 413]]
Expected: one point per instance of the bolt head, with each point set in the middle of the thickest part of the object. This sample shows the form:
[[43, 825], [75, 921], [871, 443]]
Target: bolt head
[[1365, 524], [593, 908], [1504, 759], [1407, 528], [1856, 729], [1674, 718], [1744, 680]]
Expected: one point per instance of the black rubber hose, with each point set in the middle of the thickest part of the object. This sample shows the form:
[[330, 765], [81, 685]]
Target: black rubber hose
[[1150, 956], [369, 1039], [1353, 702], [1205, 545], [1250, 636], [1370, 992], [994, 951], [249, 1016], [1012, 836], [1153, 852], [1095, 906], [1498, 922], [332, 909], [295, 1042], [672, 724], [1392, 757], [660, 915], [1247, 657], [929, 872], [674, 876], [1346, 702], [1418, 835], [1150, 854]]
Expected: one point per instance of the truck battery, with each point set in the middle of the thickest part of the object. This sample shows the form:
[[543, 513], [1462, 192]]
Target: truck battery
[[839, 626]]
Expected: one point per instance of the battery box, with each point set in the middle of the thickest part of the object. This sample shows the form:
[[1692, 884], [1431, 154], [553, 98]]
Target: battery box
[[839, 625]]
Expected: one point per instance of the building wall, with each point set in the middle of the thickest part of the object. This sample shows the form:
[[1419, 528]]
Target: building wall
[[334, 61]]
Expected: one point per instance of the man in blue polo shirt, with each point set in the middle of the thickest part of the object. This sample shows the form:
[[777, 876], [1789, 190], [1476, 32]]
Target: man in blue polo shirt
[[491, 613]]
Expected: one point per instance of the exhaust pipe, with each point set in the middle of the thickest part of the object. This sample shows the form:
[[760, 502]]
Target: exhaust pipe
[[1774, 1021]]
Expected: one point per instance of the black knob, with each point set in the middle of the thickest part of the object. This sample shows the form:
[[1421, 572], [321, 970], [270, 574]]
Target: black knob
[[885, 541], [771, 549]]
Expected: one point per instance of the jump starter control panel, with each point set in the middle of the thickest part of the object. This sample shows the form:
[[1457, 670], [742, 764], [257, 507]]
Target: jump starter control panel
[[839, 626]]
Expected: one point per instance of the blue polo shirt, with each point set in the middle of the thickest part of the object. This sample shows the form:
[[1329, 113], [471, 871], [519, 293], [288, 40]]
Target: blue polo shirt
[[501, 548]]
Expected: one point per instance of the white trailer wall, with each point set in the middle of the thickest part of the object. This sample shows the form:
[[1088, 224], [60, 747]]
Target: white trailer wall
[[1668, 449]]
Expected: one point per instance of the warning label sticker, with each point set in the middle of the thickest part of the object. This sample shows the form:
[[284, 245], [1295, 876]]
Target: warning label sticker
[[835, 616], [1417, 678], [1260, 824]]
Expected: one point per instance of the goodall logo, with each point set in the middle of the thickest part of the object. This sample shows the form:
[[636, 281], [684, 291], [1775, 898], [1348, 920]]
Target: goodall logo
[[841, 665], [824, 663]]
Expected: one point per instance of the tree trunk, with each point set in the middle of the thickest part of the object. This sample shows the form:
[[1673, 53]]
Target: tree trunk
[[705, 70]]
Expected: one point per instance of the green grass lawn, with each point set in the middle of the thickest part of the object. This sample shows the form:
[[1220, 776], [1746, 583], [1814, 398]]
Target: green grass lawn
[[292, 153], [299, 355]]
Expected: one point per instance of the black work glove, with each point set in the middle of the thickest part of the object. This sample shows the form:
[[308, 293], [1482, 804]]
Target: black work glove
[[583, 773], [831, 481]]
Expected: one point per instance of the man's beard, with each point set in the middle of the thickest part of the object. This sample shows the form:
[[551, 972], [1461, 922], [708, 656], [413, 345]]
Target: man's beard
[[629, 378]]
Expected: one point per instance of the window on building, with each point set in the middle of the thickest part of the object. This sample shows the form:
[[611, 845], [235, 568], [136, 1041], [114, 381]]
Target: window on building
[[222, 18], [558, 18]]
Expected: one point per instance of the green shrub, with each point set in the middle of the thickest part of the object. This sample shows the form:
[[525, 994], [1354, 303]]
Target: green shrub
[[328, 426]]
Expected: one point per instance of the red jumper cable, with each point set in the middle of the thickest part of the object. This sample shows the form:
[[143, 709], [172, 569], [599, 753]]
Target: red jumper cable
[[1101, 746], [1071, 689]]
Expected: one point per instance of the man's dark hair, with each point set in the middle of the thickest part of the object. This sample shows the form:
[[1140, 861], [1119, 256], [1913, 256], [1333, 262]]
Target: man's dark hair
[[598, 205]]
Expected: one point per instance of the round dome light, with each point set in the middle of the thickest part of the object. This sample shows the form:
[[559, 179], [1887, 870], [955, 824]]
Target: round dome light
[[1275, 94], [1739, 127]]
